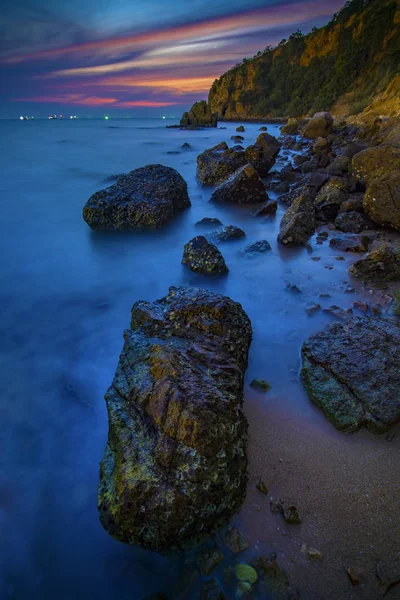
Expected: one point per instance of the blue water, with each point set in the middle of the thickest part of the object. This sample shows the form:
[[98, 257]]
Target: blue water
[[66, 294]]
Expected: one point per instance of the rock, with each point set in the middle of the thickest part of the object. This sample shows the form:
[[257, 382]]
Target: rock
[[352, 222], [291, 287], [240, 128], [382, 200], [262, 487], [187, 581], [310, 166], [237, 148], [361, 306], [321, 146], [292, 127], [237, 138], [218, 163], [330, 197], [112, 178], [320, 125], [262, 155], [268, 209], [312, 310], [208, 559], [350, 371], [201, 256], [174, 468], [339, 167], [376, 163], [298, 223], [260, 384], [350, 243], [186, 146], [289, 174], [145, 198], [229, 232], [235, 541], [257, 248], [314, 554], [210, 590], [246, 573], [243, 187], [382, 264], [291, 515], [339, 313], [395, 309], [209, 222], [263, 128], [275, 581], [352, 149], [300, 159], [279, 187], [199, 115], [354, 203], [353, 576]]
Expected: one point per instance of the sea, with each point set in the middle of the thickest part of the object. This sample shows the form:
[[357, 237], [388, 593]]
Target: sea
[[65, 298]]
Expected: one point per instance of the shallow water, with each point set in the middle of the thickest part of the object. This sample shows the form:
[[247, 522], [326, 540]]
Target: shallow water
[[66, 295]]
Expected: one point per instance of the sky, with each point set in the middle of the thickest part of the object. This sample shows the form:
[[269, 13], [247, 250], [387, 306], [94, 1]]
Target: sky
[[134, 57]]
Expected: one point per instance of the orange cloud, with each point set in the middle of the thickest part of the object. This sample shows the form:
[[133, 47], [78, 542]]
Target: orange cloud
[[184, 85], [145, 103], [76, 99]]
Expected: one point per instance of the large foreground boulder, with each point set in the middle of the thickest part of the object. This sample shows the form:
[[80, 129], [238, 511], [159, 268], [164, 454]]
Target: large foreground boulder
[[262, 155], [298, 222], [145, 198], [350, 370], [382, 200], [382, 264], [243, 187], [199, 115], [174, 467], [216, 164], [320, 125], [201, 256]]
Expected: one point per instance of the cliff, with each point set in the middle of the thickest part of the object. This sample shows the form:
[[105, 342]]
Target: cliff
[[349, 66]]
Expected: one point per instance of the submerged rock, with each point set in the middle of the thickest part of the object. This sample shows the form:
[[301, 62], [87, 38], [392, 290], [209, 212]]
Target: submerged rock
[[235, 540], [208, 559], [243, 187], [145, 198], [382, 264], [382, 200], [199, 115], [257, 248], [229, 232], [298, 223], [174, 468], [209, 222], [262, 155], [320, 125], [201, 256], [350, 370], [216, 164]]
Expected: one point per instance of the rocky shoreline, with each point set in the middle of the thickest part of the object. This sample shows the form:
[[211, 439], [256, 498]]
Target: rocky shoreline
[[339, 182]]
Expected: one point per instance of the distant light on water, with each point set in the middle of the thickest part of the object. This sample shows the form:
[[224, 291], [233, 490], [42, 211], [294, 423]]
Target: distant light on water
[[106, 118], [164, 117], [21, 118]]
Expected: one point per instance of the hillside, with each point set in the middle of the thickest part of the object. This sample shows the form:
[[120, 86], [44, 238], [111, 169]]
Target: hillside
[[350, 65]]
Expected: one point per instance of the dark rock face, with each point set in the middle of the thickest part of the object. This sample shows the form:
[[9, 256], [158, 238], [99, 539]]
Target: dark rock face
[[376, 163], [330, 197], [244, 186], [269, 209], [174, 468], [382, 264], [352, 222], [354, 203], [320, 125], [201, 256], [298, 223], [350, 243], [229, 232], [350, 370], [145, 198], [200, 115], [218, 163], [382, 200], [262, 155]]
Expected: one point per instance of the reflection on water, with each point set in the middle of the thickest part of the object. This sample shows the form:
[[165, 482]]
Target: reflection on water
[[66, 294]]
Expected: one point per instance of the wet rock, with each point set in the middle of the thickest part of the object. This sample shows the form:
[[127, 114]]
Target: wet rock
[[298, 223], [201, 256], [291, 515], [210, 590], [237, 138], [186, 146], [350, 372], [352, 149], [209, 222], [174, 468], [260, 384], [240, 128], [217, 164], [316, 180], [382, 200], [338, 167], [382, 264], [352, 222], [312, 553], [279, 187], [145, 198], [292, 127], [361, 306], [313, 310], [330, 197], [229, 232], [262, 155], [353, 576], [243, 187], [350, 243], [310, 166], [354, 203], [257, 248], [199, 115], [208, 559], [246, 573], [268, 209], [263, 128], [321, 146], [235, 541], [395, 308], [238, 148], [339, 313], [290, 175], [262, 487], [274, 581], [300, 159], [112, 178], [320, 125], [376, 163], [292, 287]]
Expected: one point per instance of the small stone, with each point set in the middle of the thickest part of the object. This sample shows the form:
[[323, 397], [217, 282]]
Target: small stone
[[235, 540], [314, 554], [339, 258], [260, 384], [381, 573], [316, 258], [208, 559], [312, 310], [293, 288], [262, 487], [291, 515], [361, 306], [276, 506], [353, 576], [246, 573]]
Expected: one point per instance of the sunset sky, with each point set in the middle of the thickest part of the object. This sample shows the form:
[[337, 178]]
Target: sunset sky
[[133, 57]]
